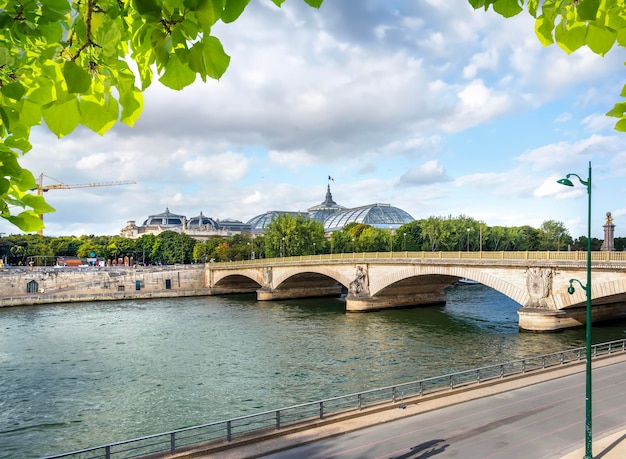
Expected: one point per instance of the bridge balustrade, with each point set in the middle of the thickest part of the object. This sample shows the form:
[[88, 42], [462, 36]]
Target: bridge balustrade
[[502, 255]]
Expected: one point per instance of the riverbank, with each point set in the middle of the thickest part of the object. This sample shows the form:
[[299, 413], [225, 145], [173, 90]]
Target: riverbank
[[45, 285]]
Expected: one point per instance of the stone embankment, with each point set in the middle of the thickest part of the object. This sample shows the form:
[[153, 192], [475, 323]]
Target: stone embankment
[[28, 286]]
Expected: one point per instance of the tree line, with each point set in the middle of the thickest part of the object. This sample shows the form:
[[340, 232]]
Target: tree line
[[293, 236]]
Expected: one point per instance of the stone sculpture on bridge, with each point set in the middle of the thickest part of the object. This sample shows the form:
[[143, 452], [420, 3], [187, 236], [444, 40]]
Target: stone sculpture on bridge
[[539, 285], [360, 285], [267, 277]]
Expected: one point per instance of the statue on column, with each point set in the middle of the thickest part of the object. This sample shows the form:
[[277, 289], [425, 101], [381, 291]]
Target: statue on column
[[609, 234]]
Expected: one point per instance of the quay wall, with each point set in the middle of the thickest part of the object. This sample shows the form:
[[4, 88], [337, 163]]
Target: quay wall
[[26, 286]]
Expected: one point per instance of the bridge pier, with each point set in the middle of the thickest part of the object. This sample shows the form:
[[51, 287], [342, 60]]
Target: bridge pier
[[265, 294], [363, 303], [539, 320]]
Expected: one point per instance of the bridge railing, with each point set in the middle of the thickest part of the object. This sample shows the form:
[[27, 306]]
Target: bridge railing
[[502, 255], [274, 420]]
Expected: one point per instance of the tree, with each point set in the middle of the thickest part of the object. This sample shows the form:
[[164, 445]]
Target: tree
[[572, 24], [67, 63], [289, 235], [554, 234]]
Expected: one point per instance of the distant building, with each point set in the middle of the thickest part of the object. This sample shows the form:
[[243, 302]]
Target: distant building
[[200, 227], [332, 215]]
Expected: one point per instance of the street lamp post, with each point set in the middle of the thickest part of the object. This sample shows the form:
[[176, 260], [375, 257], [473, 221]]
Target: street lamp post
[[468, 231], [587, 288], [404, 243], [314, 248]]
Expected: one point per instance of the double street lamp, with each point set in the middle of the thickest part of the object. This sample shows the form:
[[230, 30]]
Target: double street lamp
[[587, 288]]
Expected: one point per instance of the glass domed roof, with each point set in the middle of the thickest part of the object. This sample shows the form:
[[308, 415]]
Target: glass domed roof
[[165, 219], [322, 211], [202, 222], [376, 215]]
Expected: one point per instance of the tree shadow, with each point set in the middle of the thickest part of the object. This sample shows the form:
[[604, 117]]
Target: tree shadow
[[425, 450]]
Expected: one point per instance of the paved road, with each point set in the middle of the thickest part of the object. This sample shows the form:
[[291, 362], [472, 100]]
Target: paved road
[[544, 420]]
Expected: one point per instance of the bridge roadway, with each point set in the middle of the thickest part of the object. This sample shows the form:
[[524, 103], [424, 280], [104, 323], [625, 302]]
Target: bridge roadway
[[538, 281], [541, 415]]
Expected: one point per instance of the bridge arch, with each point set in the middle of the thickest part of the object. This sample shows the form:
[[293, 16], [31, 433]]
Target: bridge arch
[[448, 275], [338, 275]]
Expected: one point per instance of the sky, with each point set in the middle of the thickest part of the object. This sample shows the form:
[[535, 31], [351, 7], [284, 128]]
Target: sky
[[429, 106]]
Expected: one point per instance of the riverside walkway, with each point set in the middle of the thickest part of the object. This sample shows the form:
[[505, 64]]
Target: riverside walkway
[[540, 415], [489, 405]]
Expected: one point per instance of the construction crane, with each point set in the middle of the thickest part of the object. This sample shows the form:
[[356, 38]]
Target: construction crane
[[41, 188]]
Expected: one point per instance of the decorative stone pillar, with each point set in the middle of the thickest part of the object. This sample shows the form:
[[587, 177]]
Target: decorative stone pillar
[[609, 234]]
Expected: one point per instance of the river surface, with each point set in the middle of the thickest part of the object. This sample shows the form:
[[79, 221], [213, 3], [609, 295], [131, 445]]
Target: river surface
[[73, 376]]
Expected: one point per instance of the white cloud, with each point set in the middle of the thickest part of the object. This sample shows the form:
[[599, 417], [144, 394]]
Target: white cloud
[[425, 174]]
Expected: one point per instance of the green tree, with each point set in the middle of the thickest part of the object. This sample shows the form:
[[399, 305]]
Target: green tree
[[572, 24], [288, 235], [67, 63], [553, 235]]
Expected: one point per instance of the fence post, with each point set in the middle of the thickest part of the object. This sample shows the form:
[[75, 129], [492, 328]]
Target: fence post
[[107, 452], [360, 403], [321, 410], [277, 419], [172, 443], [229, 431]]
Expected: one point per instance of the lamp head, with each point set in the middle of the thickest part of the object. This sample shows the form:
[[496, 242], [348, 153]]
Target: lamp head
[[565, 181], [571, 290]]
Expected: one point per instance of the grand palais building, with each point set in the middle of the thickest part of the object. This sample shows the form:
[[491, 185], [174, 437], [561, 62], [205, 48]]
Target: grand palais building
[[332, 215]]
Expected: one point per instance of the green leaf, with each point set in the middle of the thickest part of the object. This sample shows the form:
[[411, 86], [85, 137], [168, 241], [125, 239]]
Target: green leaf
[[44, 91], [177, 75], [13, 90], [37, 203], [314, 3], [600, 39], [5, 57], [30, 114], [4, 185], [4, 116], [62, 118], [132, 106], [147, 7], [209, 58], [216, 58], [97, 117], [507, 8], [77, 79], [233, 9], [621, 125], [588, 9], [618, 110], [572, 38], [208, 12], [27, 221], [543, 30]]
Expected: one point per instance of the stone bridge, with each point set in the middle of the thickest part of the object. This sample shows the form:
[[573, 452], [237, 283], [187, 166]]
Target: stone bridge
[[538, 281]]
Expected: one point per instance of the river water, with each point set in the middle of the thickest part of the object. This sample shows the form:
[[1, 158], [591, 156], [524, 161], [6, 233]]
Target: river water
[[74, 376]]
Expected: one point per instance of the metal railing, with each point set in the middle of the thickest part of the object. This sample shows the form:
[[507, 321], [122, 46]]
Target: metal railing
[[282, 418], [578, 256]]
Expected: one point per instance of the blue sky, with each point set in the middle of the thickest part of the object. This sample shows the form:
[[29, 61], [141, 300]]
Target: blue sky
[[429, 106]]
